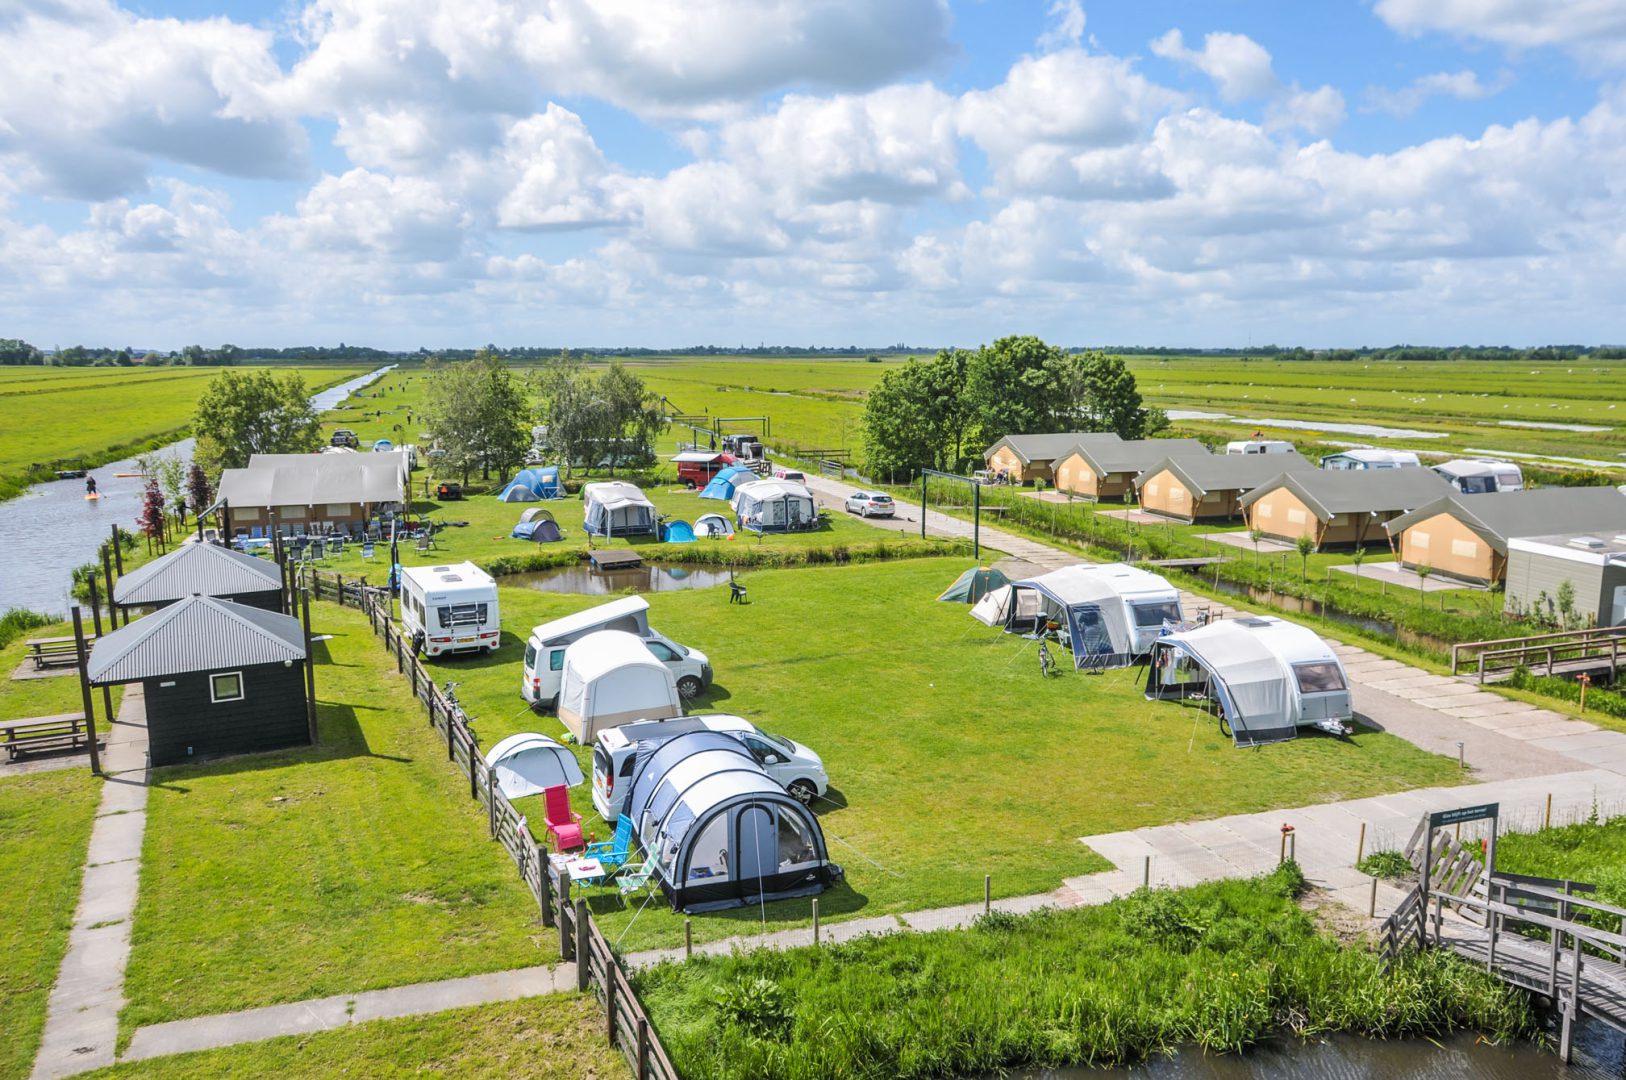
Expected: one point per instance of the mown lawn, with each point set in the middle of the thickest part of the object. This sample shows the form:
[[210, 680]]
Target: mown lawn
[[45, 821], [558, 1037], [44, 697], [359, 864], [950, 756]]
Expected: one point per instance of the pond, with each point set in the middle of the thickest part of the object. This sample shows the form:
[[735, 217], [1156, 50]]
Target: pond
[[589, 582], [1345, 1057], [52, 528]]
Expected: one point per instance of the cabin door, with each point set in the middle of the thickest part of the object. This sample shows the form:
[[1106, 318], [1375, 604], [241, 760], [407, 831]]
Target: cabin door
[[757, 844]]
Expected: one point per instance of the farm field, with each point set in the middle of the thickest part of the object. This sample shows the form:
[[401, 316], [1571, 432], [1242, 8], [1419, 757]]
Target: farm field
[[45, 821], [950, 757], [89, 416], [351, 866]]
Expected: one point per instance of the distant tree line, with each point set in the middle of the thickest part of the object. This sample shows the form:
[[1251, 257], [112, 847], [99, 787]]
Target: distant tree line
[[1556, 353], [942, 413]]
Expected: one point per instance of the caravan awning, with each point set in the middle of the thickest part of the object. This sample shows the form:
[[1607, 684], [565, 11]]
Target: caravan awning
[[1248, 678]]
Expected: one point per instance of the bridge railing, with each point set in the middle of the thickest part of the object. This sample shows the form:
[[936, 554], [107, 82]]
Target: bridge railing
[[1502, 655]]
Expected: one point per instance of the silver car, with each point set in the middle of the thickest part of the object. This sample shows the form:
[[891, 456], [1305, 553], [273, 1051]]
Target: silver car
[[870, 504]]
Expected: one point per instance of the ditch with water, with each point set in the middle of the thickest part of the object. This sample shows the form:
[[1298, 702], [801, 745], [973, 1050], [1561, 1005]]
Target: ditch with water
[[589, 582]]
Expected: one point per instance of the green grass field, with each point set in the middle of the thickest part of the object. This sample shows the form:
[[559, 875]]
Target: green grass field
[[950, 757], [43, 697], [90, 416], [355, 865], [559, 1037], [45, 821], [1593, 852]]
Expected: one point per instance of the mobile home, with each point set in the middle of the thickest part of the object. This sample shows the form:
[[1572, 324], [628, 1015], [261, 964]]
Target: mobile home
[[1593, 564], [1472, 476], [450, 608], [1260, 446], [1358, 458]]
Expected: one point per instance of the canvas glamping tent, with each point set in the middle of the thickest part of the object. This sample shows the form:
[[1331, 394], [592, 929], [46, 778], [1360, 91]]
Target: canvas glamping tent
[[528, 764], [723, 832], [715, 526], [616, 508], [609, 678], [1268, 677], [726, 483], [1111, 613], [776, 506], [975, 584]]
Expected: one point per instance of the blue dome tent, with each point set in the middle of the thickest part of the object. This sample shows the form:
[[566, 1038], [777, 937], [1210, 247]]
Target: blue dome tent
[[677, 532], [725, 483], [517, 492], [538, 526], [548, 484]]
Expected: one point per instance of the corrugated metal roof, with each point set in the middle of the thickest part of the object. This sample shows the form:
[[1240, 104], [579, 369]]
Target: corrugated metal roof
[[196, 568], [198, 634], [315, 479], [1499, 516], [1358, 490]]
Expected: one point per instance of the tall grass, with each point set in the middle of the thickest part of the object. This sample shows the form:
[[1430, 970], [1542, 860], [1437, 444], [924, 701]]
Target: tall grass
[[1220, 966], [18, 621]]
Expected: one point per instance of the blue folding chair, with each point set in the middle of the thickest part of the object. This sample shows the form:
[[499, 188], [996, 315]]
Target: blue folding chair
[[614, 852]]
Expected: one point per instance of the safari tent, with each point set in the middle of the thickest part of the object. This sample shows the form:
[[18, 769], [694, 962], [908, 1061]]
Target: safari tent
[[616, 508], [528, 764], [1209, 488], [1110, 613], [724, 834], [1100, 469], [1268, 677], [775, 506], [1466, 537], [726, 483], [610, 678], [1026, 458], [715, 526], [974, 584], [1338, 507]]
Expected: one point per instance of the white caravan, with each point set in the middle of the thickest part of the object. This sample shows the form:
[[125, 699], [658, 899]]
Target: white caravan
[[450, 608], [1259, 446]]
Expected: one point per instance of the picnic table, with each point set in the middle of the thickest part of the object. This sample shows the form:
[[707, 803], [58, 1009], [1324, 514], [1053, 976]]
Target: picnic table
[[45, 651], [41, 732]]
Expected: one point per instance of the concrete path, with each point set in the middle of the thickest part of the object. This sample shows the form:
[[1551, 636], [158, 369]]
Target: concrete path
[[82, 1016], [341, 1010]]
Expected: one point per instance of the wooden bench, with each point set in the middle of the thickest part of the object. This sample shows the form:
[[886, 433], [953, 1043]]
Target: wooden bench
[[43, 732], [48, 651]]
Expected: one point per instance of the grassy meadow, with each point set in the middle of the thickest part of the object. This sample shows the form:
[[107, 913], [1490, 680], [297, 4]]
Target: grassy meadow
[[83, 417], [45, 821], [354, 865], [950, 757]]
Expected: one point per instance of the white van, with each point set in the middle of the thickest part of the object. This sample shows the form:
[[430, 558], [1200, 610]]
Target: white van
[[791, 764], [450, 608], [545, 650]]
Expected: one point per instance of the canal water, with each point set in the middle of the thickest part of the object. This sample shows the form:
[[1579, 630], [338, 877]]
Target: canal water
[[1346, 1057], [581, 579], [52, 528]]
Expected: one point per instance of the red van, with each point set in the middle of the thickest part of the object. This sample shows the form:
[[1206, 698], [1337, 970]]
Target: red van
[[696, 467]]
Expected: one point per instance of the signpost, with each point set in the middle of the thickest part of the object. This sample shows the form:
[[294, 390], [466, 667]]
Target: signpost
[[1439, 819]]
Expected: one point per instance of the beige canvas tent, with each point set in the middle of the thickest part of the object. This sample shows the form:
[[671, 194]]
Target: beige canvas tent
[[611, 678]]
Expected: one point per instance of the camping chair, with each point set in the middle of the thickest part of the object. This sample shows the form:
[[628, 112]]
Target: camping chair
[[736, 591], [298, 545], [563, 823], [336, 548], [635, 879], [613, 852], [425, 542], [366, 549], [318, 551]]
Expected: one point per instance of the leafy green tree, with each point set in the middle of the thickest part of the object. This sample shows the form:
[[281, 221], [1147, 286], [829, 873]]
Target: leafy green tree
[[1112, 400], [566, 390], [628, 413], [1305, 545], [1357, 557], [241, 414], [17, 351], [198, 489], [1011, 386], [916, 416], [1565, 596], [477, 412]]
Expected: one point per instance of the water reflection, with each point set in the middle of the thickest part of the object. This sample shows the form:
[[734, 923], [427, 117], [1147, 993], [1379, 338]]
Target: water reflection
[[589, 582]]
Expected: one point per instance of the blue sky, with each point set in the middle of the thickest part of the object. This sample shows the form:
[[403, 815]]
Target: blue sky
[[604, 172]]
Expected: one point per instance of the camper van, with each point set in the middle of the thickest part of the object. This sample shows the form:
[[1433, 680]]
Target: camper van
[[793, 766], [450, 608], [1259, 446], [545, 650]]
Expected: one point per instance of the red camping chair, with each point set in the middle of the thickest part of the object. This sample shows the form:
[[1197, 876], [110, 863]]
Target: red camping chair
[[564, 823]]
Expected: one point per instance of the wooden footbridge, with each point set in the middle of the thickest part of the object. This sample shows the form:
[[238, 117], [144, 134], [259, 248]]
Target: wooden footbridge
[[1546, 936]]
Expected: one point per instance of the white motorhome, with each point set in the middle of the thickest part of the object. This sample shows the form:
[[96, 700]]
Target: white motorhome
[[545, 650], [1259, 446], [1476, 476], [450, 608]]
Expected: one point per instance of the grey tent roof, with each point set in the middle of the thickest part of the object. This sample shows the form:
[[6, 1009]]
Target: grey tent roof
[[1049, 446], [196, 568], [1133, 455], [1357, 491], [1227, 472], [1499, 516], [198, 634], [315, 479]]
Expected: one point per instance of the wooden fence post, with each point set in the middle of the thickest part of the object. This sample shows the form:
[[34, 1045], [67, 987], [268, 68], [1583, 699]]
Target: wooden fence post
[[491, 800], [584, 965], [83, 655], [310, 676], [96, 619], [474, 770], [643, 1048], [609, 1001]]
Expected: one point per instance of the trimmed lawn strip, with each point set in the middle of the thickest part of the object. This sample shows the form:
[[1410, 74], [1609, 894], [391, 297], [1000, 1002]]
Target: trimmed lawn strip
[[21, 698], [355, 865], [560, 1036], [1221, 966], [949, 755], [45, 822]]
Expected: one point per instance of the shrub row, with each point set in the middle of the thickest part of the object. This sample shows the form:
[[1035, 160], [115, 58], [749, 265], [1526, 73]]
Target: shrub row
[[742, 556]]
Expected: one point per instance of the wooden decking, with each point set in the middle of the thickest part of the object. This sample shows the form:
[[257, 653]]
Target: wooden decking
[[1530, 964]]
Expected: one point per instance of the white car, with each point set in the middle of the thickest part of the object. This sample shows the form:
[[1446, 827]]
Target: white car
[[790, 474], [870, 504]]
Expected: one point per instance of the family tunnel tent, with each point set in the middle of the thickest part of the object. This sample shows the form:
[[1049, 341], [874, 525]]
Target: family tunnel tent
[[1110, 613], [726, 483], [611, 678], [715, 526], [677, 532], [548, 485], [615, 508], [975, 584], [1269, 677], [529, 764], [776, 506], [723, 832]]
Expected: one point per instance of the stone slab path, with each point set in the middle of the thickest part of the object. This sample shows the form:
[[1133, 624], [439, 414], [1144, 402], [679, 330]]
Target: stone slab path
[[82, 1015]]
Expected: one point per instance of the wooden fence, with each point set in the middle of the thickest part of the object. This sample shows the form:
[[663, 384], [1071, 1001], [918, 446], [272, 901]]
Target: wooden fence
[[1566, 650], [580, 940]]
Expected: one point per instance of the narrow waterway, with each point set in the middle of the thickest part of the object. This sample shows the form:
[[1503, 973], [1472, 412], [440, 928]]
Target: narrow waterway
[[52, 528], [581, 579]]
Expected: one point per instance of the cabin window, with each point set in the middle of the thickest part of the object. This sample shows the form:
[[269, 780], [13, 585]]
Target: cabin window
[[1265, 510], [227, 686], [795, 842], [708, 858], [1177, 494], [1419, 540], [1295, 516], [1151, 489], [338, 509], [1319, 677], [1465, 549]]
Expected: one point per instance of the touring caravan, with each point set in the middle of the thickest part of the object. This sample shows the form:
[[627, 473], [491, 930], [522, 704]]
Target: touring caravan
[[1259, 446], [450, 608], [1358, 458], [1473, 476], [1111, 614]]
